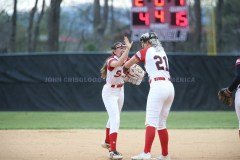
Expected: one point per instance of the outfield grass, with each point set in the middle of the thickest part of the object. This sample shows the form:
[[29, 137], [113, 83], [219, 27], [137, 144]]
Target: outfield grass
[[129, 120]]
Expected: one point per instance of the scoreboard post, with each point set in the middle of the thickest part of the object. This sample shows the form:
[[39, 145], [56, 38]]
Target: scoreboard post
[[168, 18]]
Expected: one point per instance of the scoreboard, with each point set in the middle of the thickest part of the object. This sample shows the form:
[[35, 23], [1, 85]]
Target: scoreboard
[[168, 18]]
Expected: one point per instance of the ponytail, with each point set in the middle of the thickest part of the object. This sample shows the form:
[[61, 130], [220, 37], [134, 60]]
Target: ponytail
[[103, 70]]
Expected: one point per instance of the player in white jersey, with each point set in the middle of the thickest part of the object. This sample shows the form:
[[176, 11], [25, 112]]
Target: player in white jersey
[[113, 94], [236, 85], [161, 93]]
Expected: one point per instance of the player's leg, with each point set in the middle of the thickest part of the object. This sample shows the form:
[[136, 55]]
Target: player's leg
[[152, 116], [121, 99], [120, 102], [158, 112], [110, 99], [162, 129], [107, 131], [114, 118], [106, 143], [113, 153], [237, 107], [150, 127], [155, 101], [120, 105]]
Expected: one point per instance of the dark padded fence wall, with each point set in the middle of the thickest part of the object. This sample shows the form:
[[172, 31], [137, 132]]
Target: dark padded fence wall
[[71, 82]]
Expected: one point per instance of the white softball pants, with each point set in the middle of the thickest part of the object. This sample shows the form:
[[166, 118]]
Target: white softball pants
[[113, 99], [237, 105], [159, 101]]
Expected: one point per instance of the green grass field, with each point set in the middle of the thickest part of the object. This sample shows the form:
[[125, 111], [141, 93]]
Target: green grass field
[[129, 120]]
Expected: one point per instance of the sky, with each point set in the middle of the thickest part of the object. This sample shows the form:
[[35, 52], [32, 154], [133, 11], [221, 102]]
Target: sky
[[26, 5]]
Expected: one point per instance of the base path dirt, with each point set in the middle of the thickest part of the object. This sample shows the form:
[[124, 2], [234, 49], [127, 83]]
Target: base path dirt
[[85, 144]]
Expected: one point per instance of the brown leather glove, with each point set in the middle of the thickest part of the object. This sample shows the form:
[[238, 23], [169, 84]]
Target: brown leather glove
[[225, 96]]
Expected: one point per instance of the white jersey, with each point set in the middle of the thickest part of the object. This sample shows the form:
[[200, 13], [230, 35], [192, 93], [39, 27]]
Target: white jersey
[[156, 62], [237, 98], [114, 74], [237, 62]]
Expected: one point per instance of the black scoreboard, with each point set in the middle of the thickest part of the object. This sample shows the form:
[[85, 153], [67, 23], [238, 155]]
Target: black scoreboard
[[168, 18]]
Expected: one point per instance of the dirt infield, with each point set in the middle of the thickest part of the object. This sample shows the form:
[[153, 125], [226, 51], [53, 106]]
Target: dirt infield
[[85, 144]]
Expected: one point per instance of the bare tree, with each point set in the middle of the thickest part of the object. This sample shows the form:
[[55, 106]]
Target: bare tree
[[218, 18], [96, 16], [86, 16], [105, 17], [100, 21], [198, 25], [36, 31], [30, 26], [53, 25], [14, 28], [5, 24], [71, 24], [112, 15]]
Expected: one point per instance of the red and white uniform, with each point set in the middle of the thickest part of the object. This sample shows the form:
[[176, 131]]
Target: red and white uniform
[[156, 63], [114, 74], [237, 97], [161, 92], [113, 94]]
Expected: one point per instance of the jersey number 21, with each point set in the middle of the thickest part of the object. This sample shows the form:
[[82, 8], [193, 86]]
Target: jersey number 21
[[161, 62]]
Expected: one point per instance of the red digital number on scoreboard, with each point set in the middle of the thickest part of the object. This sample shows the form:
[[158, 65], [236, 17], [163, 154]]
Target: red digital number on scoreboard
[[180, 3], [138, 3], [159, 16], [140, 18], [179, 19], [159, 3]]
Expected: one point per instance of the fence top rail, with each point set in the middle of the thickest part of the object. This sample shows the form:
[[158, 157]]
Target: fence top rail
[[105, 52]]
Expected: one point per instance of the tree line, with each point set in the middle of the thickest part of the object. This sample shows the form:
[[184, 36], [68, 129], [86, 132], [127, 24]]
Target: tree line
[[92, 27]]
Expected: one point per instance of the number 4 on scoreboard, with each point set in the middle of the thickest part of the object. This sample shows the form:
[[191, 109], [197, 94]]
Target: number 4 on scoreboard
[[143, 16]]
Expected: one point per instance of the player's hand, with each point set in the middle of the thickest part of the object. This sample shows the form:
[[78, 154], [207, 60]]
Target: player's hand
[[127, 42]]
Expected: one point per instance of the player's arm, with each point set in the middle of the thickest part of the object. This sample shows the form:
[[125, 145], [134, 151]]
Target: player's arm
[[138, 57], [121, 60], [236, 81], [130, 62], [124, 56]]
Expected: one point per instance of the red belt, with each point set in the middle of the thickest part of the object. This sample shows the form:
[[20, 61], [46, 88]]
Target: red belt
[[158, 79], [117, 86]]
